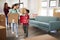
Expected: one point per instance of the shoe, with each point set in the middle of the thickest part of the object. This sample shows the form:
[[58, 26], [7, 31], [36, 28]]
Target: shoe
[[54, 31], [12, 32], [25, 36], [16, 36]]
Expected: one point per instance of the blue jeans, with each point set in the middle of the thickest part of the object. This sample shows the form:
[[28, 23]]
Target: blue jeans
[[14, 28], [6, 21], [25, 28]]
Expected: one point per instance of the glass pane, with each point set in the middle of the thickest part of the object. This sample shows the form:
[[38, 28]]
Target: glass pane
[[52, 0], [59, 3], [21, 5], [53, 3], [10, 2], [1, 6], [44, 4], [50, 13], [44, 0], [43, 12]]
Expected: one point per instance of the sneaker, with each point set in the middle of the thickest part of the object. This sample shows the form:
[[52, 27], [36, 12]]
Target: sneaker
[[54, 31], [12, 32], [24, 35], [16, 36]]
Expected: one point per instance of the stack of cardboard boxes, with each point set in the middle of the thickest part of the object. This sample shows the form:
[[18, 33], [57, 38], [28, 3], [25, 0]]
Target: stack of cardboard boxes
[[2, 27], [2, 20], [2, 33]]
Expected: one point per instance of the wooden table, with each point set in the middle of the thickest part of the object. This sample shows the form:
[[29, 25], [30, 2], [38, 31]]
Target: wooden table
[[2, 33], [42, 37]]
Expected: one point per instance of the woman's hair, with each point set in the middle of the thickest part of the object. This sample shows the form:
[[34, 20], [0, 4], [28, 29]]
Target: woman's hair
[[14, 5], [5, 5]]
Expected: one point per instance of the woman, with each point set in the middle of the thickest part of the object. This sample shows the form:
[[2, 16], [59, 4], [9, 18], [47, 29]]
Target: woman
[[14, 26], [6, 11]]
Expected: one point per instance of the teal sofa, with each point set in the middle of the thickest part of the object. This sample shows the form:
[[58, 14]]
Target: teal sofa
[[45, 23]]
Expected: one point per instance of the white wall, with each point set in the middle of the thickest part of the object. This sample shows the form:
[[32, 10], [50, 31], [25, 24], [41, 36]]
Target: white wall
[[25, 3], [33, 6], [1, 6], [11, 2]]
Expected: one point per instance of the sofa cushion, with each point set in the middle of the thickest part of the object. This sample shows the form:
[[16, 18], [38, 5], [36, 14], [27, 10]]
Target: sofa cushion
[[44, 24], [45, 18]]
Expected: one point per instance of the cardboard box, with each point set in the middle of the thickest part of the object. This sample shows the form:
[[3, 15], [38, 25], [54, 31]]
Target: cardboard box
[[2, 20], [2, 17], [2, 33], [2, 27], [13, 18], [56, 12]]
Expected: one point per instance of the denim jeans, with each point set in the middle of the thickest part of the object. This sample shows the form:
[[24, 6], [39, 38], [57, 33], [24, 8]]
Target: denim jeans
[[14, 28], [6, 21], [25, 28]]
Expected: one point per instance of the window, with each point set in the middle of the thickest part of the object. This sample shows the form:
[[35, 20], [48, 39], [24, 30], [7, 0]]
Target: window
[[2, 6], [53, 3], [43, 4], [59, 4], [21, 5], [50, 12], [44, 8], [43, 12], [47, 7]]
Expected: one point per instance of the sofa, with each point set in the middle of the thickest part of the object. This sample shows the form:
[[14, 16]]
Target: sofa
[[46, 23]]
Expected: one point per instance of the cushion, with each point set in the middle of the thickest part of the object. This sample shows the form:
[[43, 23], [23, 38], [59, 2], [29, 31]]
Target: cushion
[[45, 18]]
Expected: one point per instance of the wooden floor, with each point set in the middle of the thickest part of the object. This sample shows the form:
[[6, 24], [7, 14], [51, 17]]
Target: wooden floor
[[32, 32]]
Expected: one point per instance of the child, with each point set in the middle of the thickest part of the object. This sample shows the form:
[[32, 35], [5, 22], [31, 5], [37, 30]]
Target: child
[[14, 26], [24, 19]]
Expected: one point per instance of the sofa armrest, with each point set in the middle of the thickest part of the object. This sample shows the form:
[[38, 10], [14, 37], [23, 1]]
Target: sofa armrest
[[32, 18], [32, 21], [54, 24]]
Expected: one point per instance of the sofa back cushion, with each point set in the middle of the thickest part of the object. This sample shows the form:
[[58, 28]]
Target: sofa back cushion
[[45, 18], [58, 18]]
